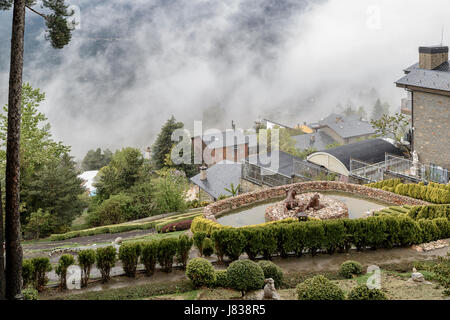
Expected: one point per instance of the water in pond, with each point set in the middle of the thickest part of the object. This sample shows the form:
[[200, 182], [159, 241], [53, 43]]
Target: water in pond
[[254, 214]]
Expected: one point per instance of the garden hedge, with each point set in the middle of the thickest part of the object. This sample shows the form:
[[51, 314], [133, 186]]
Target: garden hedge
[[432, 192], [245, 275], [384, 231], [319, 288]]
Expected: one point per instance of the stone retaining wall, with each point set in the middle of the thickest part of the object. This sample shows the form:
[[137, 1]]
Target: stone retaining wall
[[219, 207]]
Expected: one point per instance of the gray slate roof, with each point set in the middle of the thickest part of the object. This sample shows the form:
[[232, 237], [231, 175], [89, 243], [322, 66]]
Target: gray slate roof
[[285, 163], [321, 140], [371, 151], [219, 176], [348, 126], [437, 79]]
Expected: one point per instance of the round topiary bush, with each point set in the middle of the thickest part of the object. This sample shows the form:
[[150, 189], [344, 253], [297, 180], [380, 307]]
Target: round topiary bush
[[30, 294], [201, 272], [271, 270], [245, 275], [319, 288], [362, 292], [350, 268]]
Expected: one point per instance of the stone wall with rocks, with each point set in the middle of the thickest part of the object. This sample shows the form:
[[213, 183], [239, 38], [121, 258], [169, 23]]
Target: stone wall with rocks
[[219, 207]]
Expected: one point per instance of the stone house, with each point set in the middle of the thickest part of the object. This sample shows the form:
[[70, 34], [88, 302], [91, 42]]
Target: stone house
[[428, 85]]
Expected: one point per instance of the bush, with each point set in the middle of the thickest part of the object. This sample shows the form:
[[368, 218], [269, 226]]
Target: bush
[[116, 209], [253, 242], [245, 275], [350, 268], [30, 294], [428, 230], [65, 261], [271, 270], [334, 235], [27, 272], [198, 241], [362, 292], [314, 236], [221, 279], [319, 288], [106, 259], [86, 258], [149, 256], [40, 267], [177, 226], [231, 241], [208, 247], [129, 255], [201, 272], [166, 251], [183, 249]]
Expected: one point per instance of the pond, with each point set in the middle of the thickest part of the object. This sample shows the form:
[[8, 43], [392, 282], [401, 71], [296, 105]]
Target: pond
[[254, 214]]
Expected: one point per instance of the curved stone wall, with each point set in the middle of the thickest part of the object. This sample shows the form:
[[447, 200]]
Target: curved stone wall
[[219, 207]]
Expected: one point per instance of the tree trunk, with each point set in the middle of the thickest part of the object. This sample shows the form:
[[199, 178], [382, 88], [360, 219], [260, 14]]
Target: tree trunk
[[2, 253], [12, 214]]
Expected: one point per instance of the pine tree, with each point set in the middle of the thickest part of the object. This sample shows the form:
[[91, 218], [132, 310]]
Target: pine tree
[[59, 34], [378, 111], [163, 144]]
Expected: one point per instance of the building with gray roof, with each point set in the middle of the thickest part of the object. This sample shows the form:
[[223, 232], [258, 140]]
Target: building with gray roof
[[428, 84]]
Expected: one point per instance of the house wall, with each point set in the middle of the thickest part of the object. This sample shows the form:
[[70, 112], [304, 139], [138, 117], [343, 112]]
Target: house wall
[[431, 120], [333, 134], [219, 154]]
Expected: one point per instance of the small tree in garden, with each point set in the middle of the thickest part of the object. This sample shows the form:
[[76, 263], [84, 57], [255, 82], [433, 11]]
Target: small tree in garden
[[129, 255], [27, 272], [183, 248], [350, 268], [86, 258], [233, 190], [271, 270], [106, 258], [40, 268], [65, 262], [245, 275], [149, 256], [198, 241], [208, 247], [166, 251], [201, 272]]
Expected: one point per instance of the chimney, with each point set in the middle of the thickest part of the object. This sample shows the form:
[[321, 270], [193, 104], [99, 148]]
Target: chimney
[[203, 173], [432, 57]]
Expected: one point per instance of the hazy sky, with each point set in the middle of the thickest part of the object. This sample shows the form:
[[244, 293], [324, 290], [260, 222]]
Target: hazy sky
[[134, 63]]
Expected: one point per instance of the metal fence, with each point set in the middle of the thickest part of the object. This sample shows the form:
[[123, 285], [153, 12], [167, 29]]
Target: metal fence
[[264, 176], [309, 171], [398, 166]]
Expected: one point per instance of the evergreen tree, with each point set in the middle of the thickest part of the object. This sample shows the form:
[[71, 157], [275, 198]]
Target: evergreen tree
[[59, 35], [378, 111], [163, 144], [95, 159]]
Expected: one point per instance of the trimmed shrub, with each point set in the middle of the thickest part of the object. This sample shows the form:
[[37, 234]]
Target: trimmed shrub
[[201, 272], [409, 231], [208, 247], [314, 236], [149, 256], [271, 270], [106, 259], [269, 241], [177, 226], [334, 235], [245, 275], [319, 288], [198, 241], [27, 272], [183, 248], [129, 255], [443, 226], [429, 230], [253, 242], [65, 261], [221, 279], [86, 259], [229, 242], [30, 294], [167, 249], [41, 266], [350, 268], [362, 292]]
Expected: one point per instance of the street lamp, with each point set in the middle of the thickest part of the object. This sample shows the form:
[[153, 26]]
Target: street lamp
[[302, 216]]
